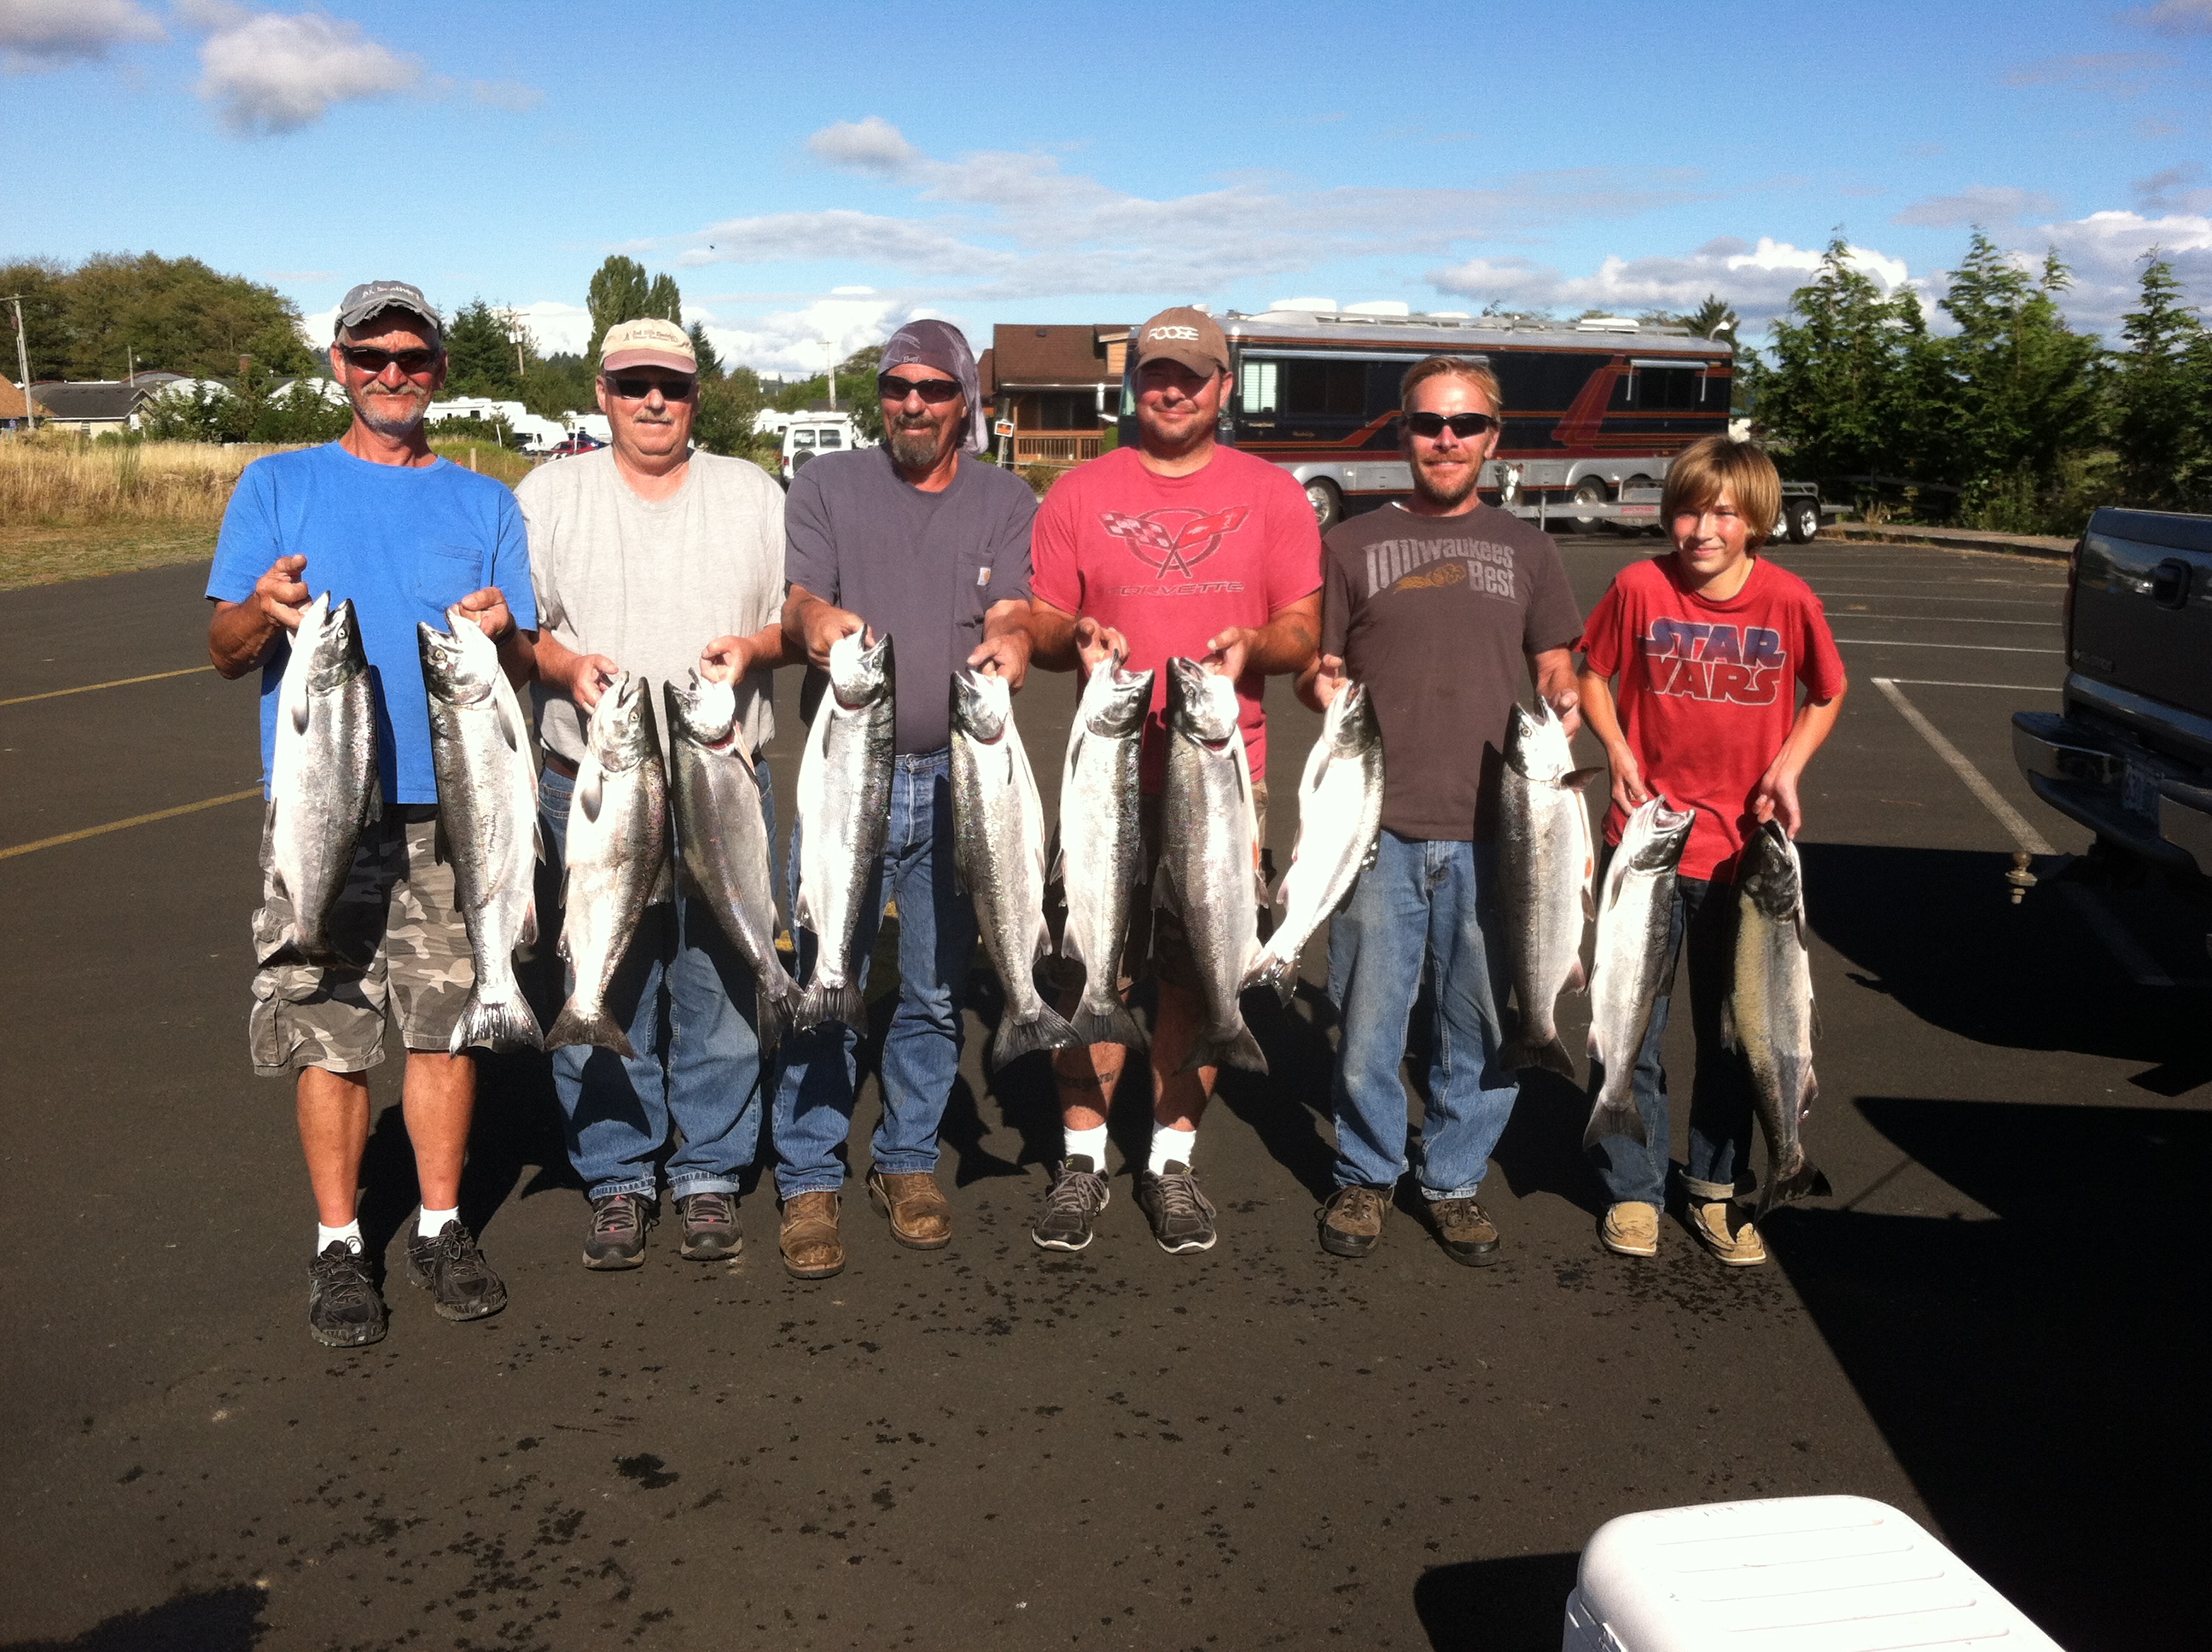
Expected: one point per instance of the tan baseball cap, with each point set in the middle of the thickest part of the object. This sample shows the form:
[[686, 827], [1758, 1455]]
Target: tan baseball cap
[[648, 342], [1182, 334]]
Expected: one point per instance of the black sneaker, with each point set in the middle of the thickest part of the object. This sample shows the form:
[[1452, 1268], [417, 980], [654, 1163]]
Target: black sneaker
[[710, 1226], [461, 1284], [618, 1227], [343, 1310], [1078, 1193], [1182, 1218]]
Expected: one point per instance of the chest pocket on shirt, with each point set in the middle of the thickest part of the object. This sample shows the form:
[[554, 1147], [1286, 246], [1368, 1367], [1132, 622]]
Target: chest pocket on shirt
[[446, 573]]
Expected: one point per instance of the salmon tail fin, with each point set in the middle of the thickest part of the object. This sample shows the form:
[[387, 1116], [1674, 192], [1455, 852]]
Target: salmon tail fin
[[1272, 970], [1236, 1049], [1615, 1119], [507, 1026], [819, 1003], [1047, 1029], [775, 1008], [1806, 1182], [1551, 1056], [1118, 1025], [574, 1026]]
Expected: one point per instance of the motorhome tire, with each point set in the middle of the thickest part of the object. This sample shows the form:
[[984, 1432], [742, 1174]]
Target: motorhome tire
[[1802, 517], [1327, 503]]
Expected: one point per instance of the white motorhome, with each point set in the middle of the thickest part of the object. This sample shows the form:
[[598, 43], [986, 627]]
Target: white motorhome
[[810, 433]]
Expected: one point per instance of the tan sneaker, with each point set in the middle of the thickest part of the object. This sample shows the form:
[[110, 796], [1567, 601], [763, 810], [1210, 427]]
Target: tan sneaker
[[809, 1240], [1351, 1221], [1717, 1227], [920, 1219], [1631, 1229]]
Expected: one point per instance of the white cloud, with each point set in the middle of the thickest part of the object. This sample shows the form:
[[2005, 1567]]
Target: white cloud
[[320, 328], [2177, 189], [271, 72], [872, 145], [2174, 17], [556, 328], [1757, 280], [40, 35], [794, 343], [1989, 205], [2105, 251]]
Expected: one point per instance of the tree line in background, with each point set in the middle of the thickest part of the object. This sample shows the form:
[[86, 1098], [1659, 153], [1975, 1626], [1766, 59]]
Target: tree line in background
[[117, 311]]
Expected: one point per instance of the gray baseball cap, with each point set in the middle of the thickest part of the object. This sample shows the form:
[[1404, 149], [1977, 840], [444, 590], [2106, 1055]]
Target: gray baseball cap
[[374, 297]]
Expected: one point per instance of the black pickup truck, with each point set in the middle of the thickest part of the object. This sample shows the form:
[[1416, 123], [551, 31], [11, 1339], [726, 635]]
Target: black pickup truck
[[2131, 755]]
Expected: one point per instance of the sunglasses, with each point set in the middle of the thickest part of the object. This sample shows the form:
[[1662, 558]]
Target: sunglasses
[[413, 363], [932, 390], [1462, 425], [636, 389]]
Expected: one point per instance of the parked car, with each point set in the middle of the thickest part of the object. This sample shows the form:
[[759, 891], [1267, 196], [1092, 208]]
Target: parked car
[[813, 434], [579, 443], [2130, 755]]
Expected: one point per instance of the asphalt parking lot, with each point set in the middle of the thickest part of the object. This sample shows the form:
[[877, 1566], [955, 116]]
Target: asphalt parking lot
[[984, 1447]]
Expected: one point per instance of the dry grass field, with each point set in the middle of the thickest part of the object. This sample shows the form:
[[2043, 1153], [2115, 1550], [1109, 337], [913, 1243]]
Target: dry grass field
[[70, 509]]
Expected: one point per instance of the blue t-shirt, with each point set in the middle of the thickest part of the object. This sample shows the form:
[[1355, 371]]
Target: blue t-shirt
[[404, 544]]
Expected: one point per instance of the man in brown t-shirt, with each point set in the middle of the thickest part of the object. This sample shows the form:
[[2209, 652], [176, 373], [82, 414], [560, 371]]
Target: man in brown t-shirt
[[1432, 605]]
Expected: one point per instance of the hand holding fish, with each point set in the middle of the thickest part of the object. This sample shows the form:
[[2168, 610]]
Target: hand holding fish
[[1775, 797], [1329, 679], [1566, 706], [1097, 643], [1229, 652], [588, 677], [280, 594], [1006, 655], [1629, 791], [488, 608], [725, 659], [826, 623]]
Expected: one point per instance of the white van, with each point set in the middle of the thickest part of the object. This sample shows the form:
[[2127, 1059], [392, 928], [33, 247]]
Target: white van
[[818, 432]]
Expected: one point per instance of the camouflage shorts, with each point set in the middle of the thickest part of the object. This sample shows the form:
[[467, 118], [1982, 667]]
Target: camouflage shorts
[[397, 912]]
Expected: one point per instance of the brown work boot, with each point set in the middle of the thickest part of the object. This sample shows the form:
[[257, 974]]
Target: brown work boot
[[809, 1240], [1468, 1236], [1351, 1221], [1631, 1229], [1727, 1231], [920, 1219]]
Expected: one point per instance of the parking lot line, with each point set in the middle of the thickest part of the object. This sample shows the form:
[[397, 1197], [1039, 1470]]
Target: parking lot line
[[2010, 601], [1970, 648], [1946, 683], [135, 820], [119, 683], [1947, 619]]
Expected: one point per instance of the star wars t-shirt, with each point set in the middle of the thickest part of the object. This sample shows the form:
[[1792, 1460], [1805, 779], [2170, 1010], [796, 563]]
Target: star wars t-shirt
[[1171, 561], [1434, 615]]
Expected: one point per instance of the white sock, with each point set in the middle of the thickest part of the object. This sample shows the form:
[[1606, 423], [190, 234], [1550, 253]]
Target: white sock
[[1087, 1143], [349, 1235], [430, 1224], [1170, 1145]]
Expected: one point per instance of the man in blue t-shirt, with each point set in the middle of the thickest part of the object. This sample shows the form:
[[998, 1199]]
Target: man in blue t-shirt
[[375, 517]]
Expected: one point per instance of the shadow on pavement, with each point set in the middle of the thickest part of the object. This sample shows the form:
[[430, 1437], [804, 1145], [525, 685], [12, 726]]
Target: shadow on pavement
[[1518, 1604], [2027, 1371], [221, 1620]]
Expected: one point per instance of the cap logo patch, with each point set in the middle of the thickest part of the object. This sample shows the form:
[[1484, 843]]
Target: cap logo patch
[[1190, 333]]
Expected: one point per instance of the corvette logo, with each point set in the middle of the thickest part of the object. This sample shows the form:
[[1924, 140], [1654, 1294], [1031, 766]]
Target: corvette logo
[[1175, 541]]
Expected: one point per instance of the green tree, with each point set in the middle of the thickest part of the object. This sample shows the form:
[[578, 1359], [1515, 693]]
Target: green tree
[[2161, 383], [728, 404], [479, 354], [620, 291], [664, 300], [557, 384], [1713, 318], [177, 314], [1838, 392], [710, 363], [42, 285]]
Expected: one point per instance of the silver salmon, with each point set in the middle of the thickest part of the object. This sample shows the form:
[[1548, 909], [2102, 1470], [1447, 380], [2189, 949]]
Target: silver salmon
[[722, 839], [1208, 872], [488, 810], [617, 858], [844, 816], [322, 776], [1339, 826], [998, 848], [1545, 861], [1770, 1014], [1102, 849], [1635, 957]]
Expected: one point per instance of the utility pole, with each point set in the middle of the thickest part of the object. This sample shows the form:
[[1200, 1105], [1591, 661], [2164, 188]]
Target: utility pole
[[831, 350], [23, 364]]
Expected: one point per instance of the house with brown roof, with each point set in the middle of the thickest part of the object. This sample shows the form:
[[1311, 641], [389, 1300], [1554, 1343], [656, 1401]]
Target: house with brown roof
[[1056, 390]]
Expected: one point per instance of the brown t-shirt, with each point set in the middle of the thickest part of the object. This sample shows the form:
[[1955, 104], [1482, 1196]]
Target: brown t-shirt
[[1434, 615]]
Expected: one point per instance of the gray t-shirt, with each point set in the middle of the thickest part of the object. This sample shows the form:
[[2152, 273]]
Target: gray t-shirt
[[650, 582], [925, 567]]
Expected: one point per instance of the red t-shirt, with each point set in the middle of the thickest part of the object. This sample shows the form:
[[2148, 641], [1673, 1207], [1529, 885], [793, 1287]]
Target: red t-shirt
[[1171, 561], [1707, 690]]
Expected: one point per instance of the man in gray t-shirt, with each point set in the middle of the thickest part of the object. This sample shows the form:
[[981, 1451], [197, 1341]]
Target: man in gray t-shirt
[[650, 558], [923, 540]]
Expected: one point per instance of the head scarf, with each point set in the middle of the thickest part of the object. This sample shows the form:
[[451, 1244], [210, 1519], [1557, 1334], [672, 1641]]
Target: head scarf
[[939, 345]]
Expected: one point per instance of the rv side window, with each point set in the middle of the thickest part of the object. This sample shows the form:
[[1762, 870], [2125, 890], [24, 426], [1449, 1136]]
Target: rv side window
[[1263, 387], [1325, 389]]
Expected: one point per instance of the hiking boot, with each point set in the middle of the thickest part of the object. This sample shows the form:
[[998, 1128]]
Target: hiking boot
[[343, 1310], [461, 1284], [710, 1226], [1078, 1193], [1469, 1235], [1722, 1228], [616, 1240], [1631, 1229], [1351, 1221], [1182, 1218], [809, 1240], [920, 1219]]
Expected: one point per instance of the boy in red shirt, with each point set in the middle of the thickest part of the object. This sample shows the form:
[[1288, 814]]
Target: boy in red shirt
[[1709, 645]]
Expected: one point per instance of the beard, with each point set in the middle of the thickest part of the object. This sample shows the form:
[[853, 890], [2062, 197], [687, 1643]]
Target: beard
[[395, 414], [912, 442], [1439, 491]]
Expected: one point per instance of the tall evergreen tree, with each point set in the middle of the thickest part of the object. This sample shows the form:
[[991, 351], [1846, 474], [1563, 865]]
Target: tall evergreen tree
[[2161, 382], [1842, 367], [710, 363], [479, 354], [619, 292]]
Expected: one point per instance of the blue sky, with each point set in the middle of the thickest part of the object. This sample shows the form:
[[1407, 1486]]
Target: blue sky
[[812, 174]]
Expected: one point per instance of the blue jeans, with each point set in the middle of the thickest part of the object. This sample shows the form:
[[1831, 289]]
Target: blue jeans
[[708, 1077], [1720, 1094], [921, 1050], [1420, 901]]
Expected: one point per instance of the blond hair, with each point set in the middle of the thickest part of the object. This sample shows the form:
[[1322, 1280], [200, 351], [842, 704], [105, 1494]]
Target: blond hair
[[1714, 465], [1477, 373]]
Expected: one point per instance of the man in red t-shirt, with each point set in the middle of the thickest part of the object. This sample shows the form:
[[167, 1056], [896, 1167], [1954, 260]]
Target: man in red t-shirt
[[1709, 645], [1176, 547]]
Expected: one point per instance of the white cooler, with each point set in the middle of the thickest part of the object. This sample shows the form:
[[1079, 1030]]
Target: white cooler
[[1783, 1575]]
